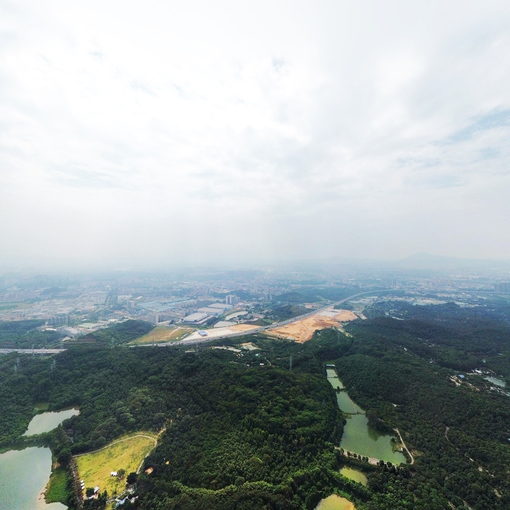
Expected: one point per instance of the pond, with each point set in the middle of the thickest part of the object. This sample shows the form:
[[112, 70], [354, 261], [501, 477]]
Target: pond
[[45, 422], [335, 502], [23, 476], [358, 436], [355, 475], [496, 380]]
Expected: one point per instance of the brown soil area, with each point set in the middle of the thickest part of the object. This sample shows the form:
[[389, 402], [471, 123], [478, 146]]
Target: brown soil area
[[303, 330]]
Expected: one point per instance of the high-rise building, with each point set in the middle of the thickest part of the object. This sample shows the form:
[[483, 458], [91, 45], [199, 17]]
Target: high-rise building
[[502, 287], [231, 299]]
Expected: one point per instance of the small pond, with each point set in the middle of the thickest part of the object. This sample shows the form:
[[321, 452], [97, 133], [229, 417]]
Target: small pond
[[355, 475], [45, 422], [335, 502], [496, 380]]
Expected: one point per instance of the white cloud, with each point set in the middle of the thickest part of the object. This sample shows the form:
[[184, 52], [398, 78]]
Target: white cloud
[[166, 132]]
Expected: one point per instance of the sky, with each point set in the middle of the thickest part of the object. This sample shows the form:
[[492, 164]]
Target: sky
[[152, 134]]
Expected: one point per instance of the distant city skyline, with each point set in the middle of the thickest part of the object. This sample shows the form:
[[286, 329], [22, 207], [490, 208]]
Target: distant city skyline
[[164, 134]]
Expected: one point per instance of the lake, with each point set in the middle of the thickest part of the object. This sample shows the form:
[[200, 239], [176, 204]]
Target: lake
[[358, 436], [335, 502], [23, 475], [45, 422]]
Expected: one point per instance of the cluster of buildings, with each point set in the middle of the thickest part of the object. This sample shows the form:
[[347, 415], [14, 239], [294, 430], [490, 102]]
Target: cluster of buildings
[[206, 313]]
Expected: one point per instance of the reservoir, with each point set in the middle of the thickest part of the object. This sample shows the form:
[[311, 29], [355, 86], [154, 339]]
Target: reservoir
[[23, 475], [358, 437], [45, 422]]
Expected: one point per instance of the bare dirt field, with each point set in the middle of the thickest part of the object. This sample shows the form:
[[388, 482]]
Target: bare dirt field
[[303, 330]]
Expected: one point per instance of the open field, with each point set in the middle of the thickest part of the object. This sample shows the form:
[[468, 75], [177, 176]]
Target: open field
[[126, 453], [303, 330], [161, 334], [219, 332]]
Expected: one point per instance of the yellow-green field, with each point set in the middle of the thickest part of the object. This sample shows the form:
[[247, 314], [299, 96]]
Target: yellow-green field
[[125, 453], [162, 334]]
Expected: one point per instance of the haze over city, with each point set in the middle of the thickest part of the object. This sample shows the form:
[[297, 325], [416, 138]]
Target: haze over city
[[232, 132]]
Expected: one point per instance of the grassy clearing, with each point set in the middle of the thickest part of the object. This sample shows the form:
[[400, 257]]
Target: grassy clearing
[[41, 406], [162, 334], [56, 490], [126, 453]]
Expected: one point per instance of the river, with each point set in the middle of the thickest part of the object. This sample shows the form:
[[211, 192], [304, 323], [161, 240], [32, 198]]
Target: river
[[358, 436]]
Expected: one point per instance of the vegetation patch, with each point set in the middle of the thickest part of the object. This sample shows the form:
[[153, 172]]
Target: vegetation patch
[[25, 335], [123, 456], [120, 333], [56, 490], [162, 334]]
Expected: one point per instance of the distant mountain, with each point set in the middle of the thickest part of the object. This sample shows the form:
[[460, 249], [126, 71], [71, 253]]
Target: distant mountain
[[427, 261]]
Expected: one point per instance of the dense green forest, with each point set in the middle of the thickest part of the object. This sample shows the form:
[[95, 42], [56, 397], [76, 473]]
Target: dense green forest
[[241, 435], [312, 293], [451, 335], [25, 335], [228, 423]]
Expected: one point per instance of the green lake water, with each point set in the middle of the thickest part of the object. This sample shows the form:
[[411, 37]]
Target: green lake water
[[45, 422], [358, 437], [355, 475], [333, 379], [23, 475], [346, 404], [335, 502]]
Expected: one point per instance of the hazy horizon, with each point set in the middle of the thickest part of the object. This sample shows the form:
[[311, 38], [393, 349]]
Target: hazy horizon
[[162, 134]]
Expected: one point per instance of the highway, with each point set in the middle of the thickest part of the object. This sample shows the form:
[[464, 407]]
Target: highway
[[32, 351]]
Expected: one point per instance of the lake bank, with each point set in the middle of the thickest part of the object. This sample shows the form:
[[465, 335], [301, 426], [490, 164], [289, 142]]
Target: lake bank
[[23, 478]]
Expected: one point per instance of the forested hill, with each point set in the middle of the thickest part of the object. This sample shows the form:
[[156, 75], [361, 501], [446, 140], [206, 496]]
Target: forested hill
[[400, 370], [243, 431], [450, 335], [26, 334], [228, 424]]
